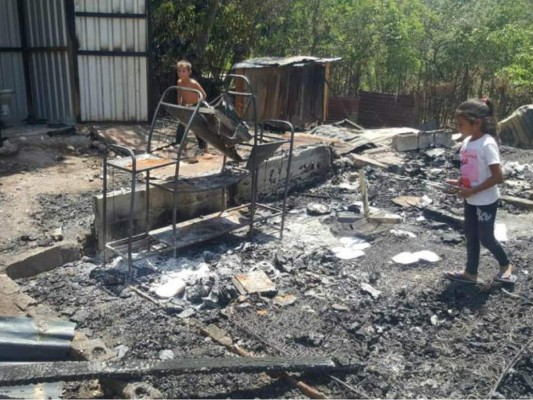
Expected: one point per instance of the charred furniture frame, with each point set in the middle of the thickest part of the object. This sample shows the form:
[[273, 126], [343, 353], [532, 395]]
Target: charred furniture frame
[[162, 137]]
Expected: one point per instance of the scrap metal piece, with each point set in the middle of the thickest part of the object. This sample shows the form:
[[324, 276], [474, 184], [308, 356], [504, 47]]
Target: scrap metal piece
[[201, 127], [254, 282], [15, 374], [34, 339], [260, 153]]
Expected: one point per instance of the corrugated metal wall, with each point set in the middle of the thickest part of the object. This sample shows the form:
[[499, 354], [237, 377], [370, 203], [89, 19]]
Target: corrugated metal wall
[[113, 88], [342, 107], [113, 60], [11, 65], [377, 110], [111, 6], [51, 80]]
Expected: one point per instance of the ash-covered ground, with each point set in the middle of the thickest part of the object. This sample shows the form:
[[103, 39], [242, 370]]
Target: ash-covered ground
[[413, 334]]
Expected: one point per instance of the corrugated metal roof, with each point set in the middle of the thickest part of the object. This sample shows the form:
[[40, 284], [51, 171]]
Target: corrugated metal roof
[[267, 62], [34, 339]]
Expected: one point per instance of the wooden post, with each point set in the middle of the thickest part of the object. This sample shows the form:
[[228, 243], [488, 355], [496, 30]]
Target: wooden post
[[364, 192], [326, 92]]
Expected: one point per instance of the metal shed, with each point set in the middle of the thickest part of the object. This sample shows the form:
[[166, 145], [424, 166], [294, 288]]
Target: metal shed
[[290, 88], [76, 60]]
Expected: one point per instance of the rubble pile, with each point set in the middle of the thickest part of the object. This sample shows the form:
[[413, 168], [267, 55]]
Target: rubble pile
[[334, 286]]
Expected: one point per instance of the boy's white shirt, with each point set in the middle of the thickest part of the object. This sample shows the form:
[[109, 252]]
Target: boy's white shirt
[[476, 156]]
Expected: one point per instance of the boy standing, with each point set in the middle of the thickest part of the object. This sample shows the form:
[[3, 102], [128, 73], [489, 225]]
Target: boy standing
[[187, 98]]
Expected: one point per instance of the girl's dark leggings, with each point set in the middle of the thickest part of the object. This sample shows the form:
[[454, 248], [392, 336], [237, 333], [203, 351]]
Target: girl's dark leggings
[[479, 228], [180, 131]]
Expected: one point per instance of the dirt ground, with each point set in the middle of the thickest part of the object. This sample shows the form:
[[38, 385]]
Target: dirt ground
[[46, 186], [412, 333]]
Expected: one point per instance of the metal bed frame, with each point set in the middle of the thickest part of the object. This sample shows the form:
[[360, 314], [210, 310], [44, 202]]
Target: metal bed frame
[[176, 236]]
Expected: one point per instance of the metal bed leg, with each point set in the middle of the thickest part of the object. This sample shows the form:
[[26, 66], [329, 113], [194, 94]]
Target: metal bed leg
[[104, 208], [132, 218], [147, 211], [287, 184]]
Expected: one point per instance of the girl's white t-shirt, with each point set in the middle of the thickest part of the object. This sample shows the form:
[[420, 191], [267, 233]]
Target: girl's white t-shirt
[[476, 156]]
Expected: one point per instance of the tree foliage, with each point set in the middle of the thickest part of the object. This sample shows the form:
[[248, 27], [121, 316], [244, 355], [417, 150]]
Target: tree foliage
[[443, 50]]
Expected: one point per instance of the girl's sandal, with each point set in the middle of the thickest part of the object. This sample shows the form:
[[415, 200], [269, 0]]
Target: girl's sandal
[[458, 277], [511, 279]]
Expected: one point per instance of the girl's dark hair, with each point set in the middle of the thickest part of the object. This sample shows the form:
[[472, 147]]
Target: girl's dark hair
[[480, 109]]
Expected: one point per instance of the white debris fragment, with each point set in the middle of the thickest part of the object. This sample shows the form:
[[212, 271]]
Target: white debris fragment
[[500, 232], [166, 355], [267, 267], [57, 234], [171, 288], [427, 255], [365, 287], [121, 351], [348, 186], [346, 253], [407, 258], [317, 209], [401, 233], [425, 201], [354, 243], [352, 248]]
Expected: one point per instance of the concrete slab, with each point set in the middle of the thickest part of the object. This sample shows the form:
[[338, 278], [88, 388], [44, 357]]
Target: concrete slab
[[41, 260], [410, 141]]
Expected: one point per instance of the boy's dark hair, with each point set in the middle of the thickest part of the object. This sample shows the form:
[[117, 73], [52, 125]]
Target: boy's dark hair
[[184, 63], [482, 109]]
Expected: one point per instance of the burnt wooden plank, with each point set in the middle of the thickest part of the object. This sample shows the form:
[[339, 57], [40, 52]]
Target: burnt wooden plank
[[23, 373]]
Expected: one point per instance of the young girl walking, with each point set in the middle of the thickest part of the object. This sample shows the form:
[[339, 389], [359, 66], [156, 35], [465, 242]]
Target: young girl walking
[[481, 172]]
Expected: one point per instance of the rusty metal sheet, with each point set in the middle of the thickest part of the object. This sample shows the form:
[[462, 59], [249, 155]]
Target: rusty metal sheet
[[144, 162], [204, 128], [261, 153], [266, 62]]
